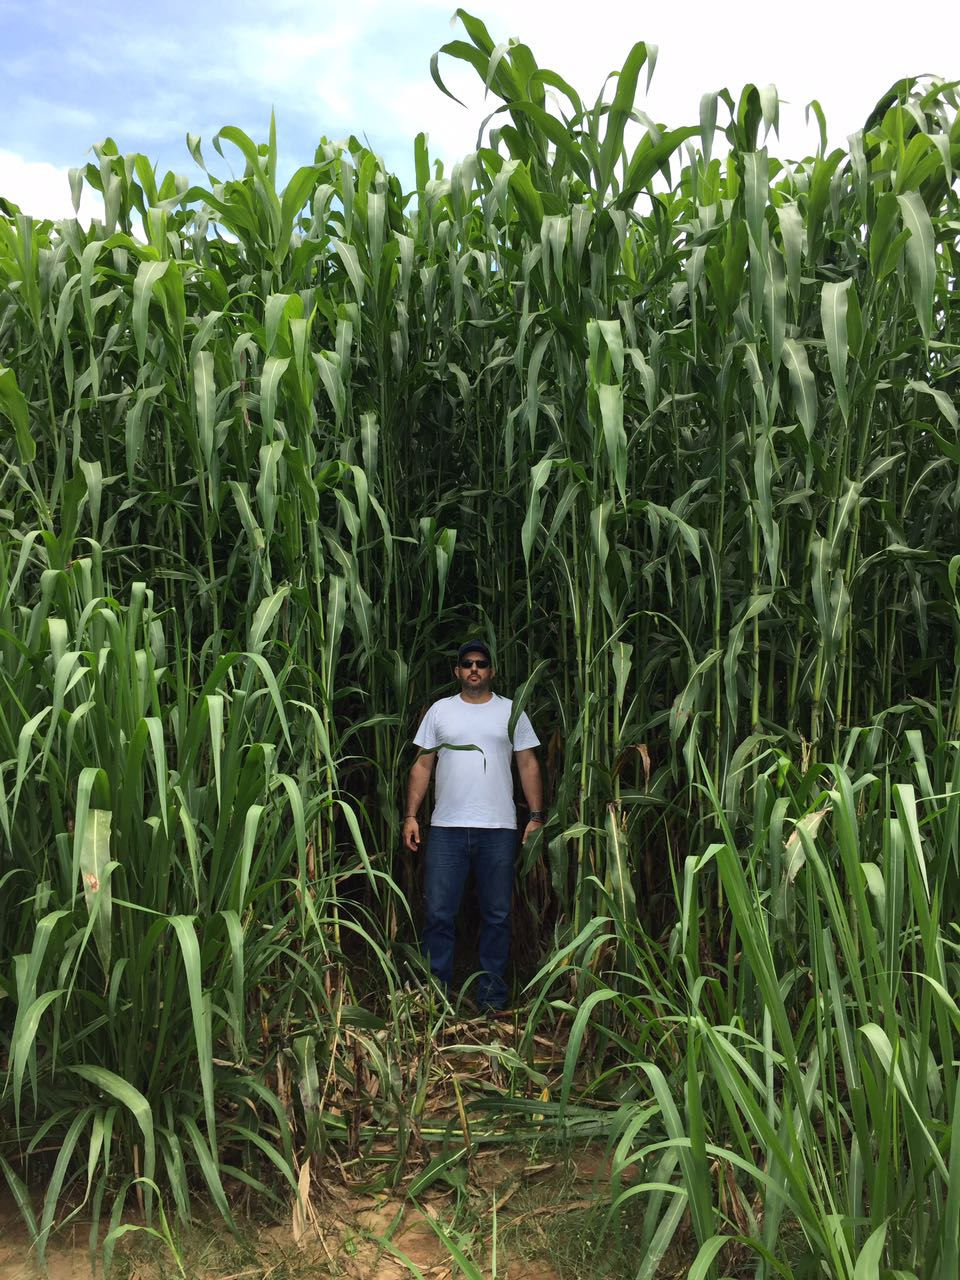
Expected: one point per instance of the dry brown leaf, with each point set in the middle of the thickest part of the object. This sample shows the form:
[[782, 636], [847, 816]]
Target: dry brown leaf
[[300, 1203]]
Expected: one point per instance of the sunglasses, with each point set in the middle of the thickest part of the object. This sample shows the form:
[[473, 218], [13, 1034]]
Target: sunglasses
[[480, 663]]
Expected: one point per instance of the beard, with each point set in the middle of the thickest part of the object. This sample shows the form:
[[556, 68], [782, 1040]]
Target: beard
[[476, 686]]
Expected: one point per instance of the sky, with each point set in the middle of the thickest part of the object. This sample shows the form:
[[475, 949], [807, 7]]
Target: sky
[[78, 71]]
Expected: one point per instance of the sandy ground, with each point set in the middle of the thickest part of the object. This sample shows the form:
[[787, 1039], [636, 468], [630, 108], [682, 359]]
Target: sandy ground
[[332, 1240]]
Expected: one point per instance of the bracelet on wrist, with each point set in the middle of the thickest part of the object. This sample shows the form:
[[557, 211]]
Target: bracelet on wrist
[[538, 815]]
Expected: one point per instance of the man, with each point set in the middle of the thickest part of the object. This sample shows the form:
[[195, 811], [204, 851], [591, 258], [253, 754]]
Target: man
[[474, 822]]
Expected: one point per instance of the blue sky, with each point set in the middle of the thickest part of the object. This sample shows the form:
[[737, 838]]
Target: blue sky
[[77, 72]]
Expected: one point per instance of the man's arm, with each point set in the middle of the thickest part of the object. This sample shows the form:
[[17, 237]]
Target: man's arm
[[530, 779], [416, 789]]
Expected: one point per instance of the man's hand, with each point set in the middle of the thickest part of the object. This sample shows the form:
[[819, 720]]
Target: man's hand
[[532, 783], [416, 789]]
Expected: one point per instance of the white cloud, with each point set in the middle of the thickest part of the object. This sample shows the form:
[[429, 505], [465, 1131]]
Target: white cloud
[[42, 190], [291, 60], [417, 106], [64, 115]]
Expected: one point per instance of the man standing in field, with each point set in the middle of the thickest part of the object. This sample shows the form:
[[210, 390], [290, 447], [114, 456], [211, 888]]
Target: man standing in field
[[474, 822]]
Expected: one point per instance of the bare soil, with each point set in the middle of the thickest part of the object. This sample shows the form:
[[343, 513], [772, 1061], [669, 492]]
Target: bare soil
[[339, 1236]]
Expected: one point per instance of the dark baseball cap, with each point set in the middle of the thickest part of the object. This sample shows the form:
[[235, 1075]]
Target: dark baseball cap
[[473, 646]]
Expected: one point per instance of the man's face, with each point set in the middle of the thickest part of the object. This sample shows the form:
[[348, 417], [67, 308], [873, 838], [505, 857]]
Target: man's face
[[473, 678]]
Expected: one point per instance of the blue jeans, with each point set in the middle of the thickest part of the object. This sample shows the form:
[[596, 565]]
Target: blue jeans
[[452, 852]]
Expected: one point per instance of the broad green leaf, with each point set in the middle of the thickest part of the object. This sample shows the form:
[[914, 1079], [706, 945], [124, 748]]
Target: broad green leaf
[[708, 122], [919, 252], [803, 384], [834, 300], [539, 474], [130, 1097], [619, 868], [202, 1059], [522, 696], [263, 619], [97, 894], [205, 392], [437, 1170], [348, 256], [871, 1255], [756, 188], [13, 406], [615, 438], [149, 275], [273, 370]]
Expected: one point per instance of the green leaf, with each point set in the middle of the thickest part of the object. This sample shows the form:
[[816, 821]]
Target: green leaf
[[539, 474], [869, 1258], [522, 696], [791, 232], [184, 928], [263, 619], [438, 1169], [803, 385], [95, 872], [920, 256], [13, 406], [274, 368], [619, 873], [348, 256], [834, 301], [615, 438], [756, 181], [621, 107], [21, 1198], [149, 274], [708, 123], [130, 1097]]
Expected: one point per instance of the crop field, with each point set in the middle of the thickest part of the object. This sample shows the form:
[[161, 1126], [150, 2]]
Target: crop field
[[672, 424]]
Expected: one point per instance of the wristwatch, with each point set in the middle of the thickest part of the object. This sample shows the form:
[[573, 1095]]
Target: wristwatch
[[538, 815]]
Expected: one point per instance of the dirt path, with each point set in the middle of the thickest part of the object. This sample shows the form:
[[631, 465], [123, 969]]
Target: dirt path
[[341, 1240], [68, 1260]]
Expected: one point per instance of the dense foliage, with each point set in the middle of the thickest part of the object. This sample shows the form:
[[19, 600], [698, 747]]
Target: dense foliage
[[677, 432]]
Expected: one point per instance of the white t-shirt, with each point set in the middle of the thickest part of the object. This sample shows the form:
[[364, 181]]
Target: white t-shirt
[[474, 788]]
